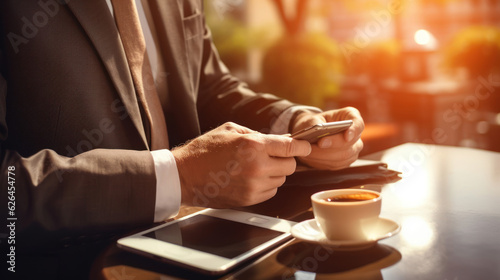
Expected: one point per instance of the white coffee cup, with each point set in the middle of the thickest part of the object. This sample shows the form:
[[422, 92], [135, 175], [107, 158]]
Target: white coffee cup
[[351, 220]]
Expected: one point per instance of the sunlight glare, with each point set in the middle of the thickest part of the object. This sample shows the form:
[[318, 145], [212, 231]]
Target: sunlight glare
[[423, 37], [417, 233]]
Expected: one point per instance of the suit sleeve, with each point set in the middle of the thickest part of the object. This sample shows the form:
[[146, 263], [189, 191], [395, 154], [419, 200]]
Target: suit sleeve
[[222, 97], [52, 196]]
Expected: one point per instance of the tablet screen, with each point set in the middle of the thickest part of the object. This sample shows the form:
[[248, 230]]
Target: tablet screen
[[213, 235]]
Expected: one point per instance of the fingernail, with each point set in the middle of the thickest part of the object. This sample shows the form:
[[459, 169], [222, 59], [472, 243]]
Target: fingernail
[[327, 143], [350, 135]]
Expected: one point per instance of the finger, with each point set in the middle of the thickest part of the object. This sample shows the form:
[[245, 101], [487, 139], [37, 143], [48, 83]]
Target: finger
[[280, 166], [268, 194], [332, 141], [277, 181], [340, 153], [354, 131], [264, 189], [280, 146], [333, 158], [328, 165], [266, 166], [348, 113]]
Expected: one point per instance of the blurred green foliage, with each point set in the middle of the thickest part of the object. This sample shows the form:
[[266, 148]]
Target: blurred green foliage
[[304, 69], [232, 41], [232, 37], [477, 49]]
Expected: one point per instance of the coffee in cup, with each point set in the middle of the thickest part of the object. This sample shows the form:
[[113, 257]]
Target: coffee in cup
[[346, 214]]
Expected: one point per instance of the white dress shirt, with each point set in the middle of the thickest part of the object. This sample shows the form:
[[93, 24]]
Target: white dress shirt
[[168, 186]]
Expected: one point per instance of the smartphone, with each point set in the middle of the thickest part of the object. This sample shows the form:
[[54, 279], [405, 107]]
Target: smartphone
[[211, 241], [317, 131]]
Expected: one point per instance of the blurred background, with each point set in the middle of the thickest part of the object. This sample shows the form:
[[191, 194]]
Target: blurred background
[[418, 70]]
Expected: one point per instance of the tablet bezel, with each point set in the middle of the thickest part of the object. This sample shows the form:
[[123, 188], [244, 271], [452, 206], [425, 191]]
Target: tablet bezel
[[202, 261]]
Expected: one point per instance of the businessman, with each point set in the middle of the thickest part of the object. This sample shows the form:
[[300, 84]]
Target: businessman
[[115, 113]]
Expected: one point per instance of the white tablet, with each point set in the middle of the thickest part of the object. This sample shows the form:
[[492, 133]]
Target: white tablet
[[210, 241]]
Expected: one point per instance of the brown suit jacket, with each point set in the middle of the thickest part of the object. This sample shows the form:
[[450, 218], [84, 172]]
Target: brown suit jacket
[[70, 123]]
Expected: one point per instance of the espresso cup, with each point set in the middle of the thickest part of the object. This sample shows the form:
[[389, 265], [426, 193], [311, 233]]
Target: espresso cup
[[346, 214]]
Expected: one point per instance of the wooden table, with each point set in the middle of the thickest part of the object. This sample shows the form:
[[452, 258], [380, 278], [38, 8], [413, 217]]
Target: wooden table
[[447, 202]]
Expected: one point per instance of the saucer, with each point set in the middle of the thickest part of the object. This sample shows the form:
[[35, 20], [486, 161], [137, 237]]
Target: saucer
[[309, 231]]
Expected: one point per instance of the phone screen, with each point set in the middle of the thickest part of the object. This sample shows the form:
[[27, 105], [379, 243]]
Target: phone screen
[[214, 235]]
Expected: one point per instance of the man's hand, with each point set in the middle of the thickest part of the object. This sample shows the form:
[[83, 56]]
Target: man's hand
[[235, 166], [336, 151]]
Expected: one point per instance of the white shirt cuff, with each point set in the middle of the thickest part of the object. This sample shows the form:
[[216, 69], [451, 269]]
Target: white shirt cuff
[[281, 124], [168, 185]]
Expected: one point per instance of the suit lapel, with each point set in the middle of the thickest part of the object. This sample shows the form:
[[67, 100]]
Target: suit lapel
[[96, 20], [182, 120], [168, 22]]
